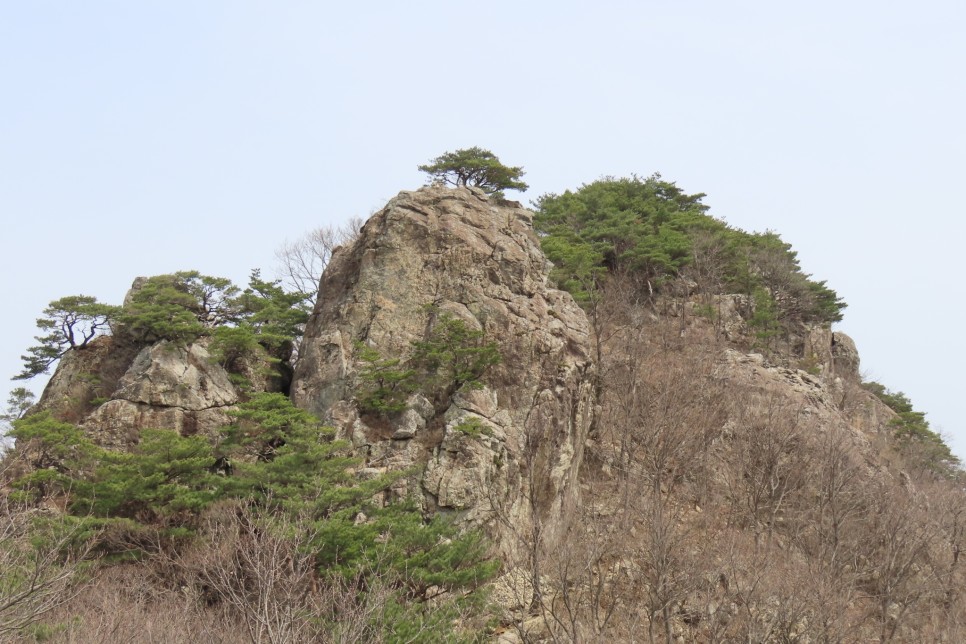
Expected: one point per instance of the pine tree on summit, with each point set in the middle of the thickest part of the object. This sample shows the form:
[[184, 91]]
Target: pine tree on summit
[[475, 167]]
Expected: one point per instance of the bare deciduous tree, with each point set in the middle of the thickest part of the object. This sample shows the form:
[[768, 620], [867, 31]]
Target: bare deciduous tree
[[300, 263], [896, 572], [771, 464], [38, 568], [262, 569]]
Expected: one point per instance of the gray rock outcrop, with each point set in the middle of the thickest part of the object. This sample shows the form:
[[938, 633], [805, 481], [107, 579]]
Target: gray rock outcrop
[[489, 453], [845, 356], [833, 351], [115, 386], [86, 376], [166, 386]]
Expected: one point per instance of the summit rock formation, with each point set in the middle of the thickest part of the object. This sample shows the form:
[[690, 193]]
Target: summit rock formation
[[661, 464], [437, 253]]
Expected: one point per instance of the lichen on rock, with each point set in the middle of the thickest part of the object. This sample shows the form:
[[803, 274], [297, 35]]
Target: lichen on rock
[[489, 452]]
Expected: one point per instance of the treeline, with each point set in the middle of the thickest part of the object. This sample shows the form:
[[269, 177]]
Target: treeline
[[921, 445], [263, 321], [650, 232]]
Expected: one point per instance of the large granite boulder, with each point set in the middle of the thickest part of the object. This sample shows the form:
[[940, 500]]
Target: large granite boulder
[[119, 384], [166, 386], [495, 454]]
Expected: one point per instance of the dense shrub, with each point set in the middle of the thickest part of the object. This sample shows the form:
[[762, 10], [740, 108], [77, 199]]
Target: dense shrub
[[653, 232]]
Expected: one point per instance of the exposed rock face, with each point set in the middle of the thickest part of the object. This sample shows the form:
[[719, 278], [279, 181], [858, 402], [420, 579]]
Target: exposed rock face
[[833, 351], [845, 356], [85, 375], [166, 386], [813, 396], [435, 252], [116, 386]]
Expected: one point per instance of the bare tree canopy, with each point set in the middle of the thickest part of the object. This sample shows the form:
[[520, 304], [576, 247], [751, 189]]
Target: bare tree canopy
[[301, 262]]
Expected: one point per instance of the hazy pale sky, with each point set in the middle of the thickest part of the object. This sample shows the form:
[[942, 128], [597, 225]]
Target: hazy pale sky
[[139, 138]]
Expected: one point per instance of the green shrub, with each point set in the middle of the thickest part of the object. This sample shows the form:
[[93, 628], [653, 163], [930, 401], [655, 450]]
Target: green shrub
[[307, 473], [912, 433], [131, 504], [58, 453], [166, 307], [649, 231], [764, 319], [164, 480], [473, 427], [384, 383], [451, 357], [232, 344]]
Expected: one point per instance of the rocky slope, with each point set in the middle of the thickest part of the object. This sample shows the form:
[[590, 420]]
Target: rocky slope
[[504, 454], [435, 253], [733, 489], [117, 386]]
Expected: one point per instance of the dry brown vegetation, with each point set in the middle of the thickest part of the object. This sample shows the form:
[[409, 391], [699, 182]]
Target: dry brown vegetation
[[245, 579], [718, 509], [715, 508]]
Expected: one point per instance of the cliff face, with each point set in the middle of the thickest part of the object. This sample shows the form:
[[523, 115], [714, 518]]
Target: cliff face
[[728, 478], [117, 385], [438, 253], [114, 390], [505, 452]]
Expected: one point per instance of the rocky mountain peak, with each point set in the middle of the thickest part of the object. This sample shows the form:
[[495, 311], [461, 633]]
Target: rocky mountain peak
[[737, 456], [496, 451]]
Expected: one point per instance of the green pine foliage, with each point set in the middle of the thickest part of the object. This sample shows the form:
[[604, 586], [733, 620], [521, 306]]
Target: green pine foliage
[[419, 553], [620, 225], [67, 323], [434, 553], [385, 383], [275, 316], [165, 308], [165, 480], [259, 325], [231, 345], [286, 463], [651, 232], [266, 322], [912, 432], [475, 167], [298, 465], [764, 319], [303, 471], [57, 453], [451, 357]]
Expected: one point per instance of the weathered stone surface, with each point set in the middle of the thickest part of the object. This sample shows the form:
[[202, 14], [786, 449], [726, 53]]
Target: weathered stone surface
[[409, 423], [167, 386], [117, 385], [440, 250], [824, 402], [84, 377], [167, 375], [467, 467], [845, 356], [832, 351]]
